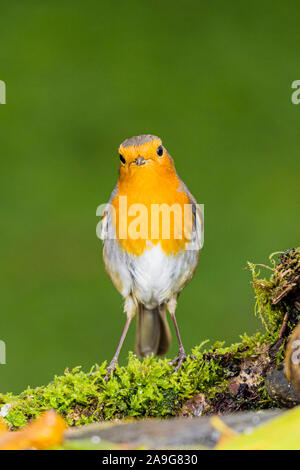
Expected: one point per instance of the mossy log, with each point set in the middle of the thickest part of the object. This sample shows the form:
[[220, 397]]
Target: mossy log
[[217, 379]]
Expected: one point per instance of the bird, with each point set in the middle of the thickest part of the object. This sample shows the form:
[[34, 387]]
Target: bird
[[148, 259]]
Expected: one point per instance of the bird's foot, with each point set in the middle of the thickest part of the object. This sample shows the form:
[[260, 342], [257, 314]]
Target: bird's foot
[[112, 366], [179, 360]]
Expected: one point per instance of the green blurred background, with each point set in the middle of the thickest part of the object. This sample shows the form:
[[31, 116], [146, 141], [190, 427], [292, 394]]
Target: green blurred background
[[213, 79]]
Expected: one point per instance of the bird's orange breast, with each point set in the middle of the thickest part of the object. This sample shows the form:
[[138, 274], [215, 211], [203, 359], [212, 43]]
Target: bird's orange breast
[[151, 207]]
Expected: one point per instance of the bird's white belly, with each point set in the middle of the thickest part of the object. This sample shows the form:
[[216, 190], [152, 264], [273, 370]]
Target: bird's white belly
[[157, 276], [153, 277]]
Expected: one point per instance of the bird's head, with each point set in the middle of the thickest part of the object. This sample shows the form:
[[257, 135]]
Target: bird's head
[[143, 152]]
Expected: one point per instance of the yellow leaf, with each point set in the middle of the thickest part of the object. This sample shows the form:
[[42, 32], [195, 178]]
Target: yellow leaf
[[282, 433]]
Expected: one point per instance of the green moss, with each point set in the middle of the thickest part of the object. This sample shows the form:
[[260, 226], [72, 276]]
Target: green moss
[[273, 294], [148, 389], [141, 389]]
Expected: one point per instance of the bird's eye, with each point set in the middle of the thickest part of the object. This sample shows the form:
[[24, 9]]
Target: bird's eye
[[122, 159], [160, 151]]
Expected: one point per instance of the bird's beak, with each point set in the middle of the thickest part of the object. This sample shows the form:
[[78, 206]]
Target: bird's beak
[[140, 161]]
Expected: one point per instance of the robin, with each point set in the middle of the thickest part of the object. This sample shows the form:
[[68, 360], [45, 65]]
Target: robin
[[151, 231]]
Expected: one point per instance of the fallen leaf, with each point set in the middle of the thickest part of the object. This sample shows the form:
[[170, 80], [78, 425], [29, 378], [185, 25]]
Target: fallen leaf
[[45, 432]]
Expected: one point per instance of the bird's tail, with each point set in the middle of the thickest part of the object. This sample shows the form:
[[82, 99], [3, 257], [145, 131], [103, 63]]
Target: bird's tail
[[153, 332]]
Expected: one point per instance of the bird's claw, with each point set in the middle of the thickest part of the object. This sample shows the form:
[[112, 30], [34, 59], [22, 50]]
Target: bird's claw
[[178, 361], [111, 368]]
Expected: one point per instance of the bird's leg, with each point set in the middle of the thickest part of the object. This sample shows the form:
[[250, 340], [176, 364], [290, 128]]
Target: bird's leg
[[130, 309], [114, 362], [182, 356]]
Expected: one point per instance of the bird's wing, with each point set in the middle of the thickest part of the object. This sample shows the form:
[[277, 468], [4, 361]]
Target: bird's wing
[[105, 222], [103, 227], [198, 219]]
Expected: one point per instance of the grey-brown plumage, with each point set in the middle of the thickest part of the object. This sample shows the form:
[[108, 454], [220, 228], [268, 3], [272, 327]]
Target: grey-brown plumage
[[139, 140], [153, 332]]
